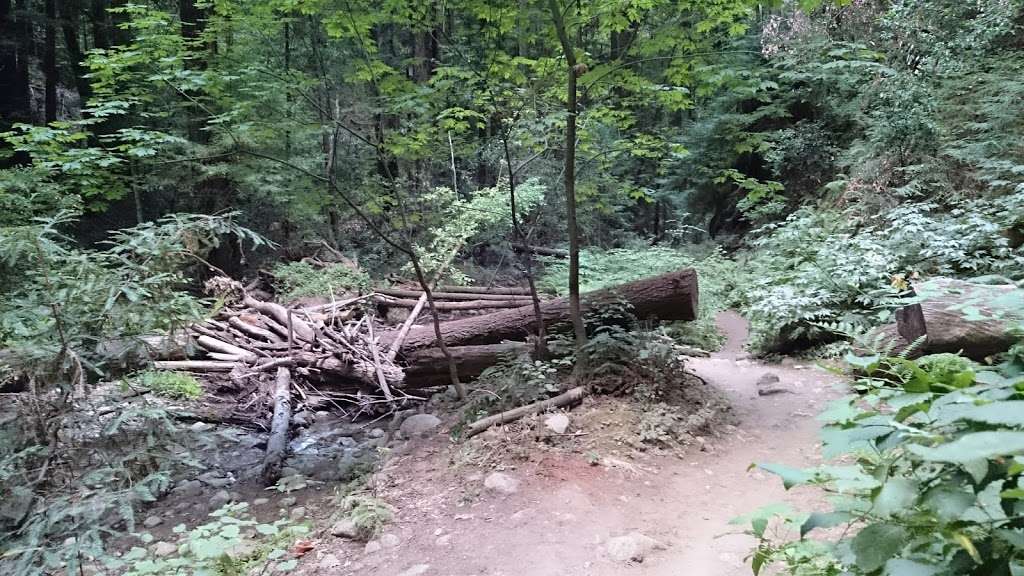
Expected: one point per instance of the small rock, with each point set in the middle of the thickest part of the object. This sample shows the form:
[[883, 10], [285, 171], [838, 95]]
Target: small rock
[[371, 547], [419, 425], [348, 441], [389, 541], [767, 385], [163, 549], [201, 427], [260, 501], [215, 479], [501, 482], [288, 501], [297, 513], [416, 570], [557, 422], [303, 419], [632, 547], [443, 541], [289, 471], [188, 489], [152, 521], [345, 528], [220, 499], [329, 562], [375, 433]]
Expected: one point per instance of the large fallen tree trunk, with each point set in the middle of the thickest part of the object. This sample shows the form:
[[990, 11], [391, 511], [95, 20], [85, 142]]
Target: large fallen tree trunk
[[402, 293], [485, 290], [428, 367], [541, 251], [671, 296], [451, 306], [977, 320]]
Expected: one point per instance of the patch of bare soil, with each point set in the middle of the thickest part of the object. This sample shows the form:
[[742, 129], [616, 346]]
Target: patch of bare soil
[[523, 500]]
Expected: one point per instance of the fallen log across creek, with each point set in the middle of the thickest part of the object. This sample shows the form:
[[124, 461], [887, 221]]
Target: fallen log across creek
[[671, 296]]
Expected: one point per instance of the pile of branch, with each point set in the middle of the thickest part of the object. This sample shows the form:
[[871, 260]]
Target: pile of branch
[[326, 346]]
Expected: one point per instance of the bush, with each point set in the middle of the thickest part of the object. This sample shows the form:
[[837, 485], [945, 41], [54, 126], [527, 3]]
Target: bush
[[822, 272], [929, 479], [302, 280], [175, 385]]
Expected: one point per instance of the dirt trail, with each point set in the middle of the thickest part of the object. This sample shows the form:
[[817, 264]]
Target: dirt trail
[[565, 510]]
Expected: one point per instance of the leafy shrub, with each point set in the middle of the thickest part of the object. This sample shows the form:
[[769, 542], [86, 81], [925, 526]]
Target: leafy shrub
[[169, 384], [928, 480], [220, 547], [72, 468], [301, 279], [820, 272], [369, 513]]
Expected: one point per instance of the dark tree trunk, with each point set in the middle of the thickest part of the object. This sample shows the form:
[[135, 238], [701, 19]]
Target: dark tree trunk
[[15, 46], [571, 101], [50, 63], [70, 14], [100, 23]]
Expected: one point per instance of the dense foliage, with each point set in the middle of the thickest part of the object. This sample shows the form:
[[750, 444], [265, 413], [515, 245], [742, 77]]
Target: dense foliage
[[812, 160]]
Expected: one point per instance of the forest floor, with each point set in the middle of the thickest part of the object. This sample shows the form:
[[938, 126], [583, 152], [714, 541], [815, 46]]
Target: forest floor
[[560, 512]]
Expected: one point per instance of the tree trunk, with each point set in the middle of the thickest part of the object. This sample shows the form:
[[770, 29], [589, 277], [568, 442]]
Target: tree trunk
[[50, 63], [450, 306], [540, 250], [946, 329], [441, 295], [70, 15], [575, 313], [671, 296], [15, 47], [485, 290], [427, 367], [277, 442], [977, 320]]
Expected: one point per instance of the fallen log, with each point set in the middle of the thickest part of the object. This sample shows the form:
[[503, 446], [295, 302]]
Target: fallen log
[[401, 293], [671, 296], [451, 306], [194, 365], [540, 250], [564, 399], [428, 367], [485, 290], [967, 322], [977, 320], [277, 442]]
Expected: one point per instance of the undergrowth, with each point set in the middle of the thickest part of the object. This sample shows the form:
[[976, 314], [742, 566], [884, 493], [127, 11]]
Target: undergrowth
[[175, 385], [303, 280], [926, 476]]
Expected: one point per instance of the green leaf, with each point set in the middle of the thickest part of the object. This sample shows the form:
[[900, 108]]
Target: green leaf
[[824, 520], [1006, 413], [267, 529], [896, 495], [790, 476], [876, 544], [973, 446], [903, 567]]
